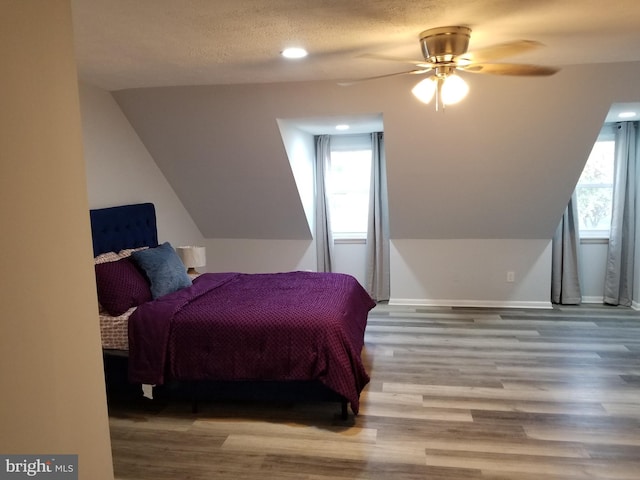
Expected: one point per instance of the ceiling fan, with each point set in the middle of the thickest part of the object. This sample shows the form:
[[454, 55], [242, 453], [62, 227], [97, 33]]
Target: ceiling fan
[[445, 50]]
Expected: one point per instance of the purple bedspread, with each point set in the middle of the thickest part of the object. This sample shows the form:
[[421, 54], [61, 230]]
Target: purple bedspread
[[234, 326]]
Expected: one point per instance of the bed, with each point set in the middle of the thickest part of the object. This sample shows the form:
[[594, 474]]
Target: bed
[[303, 328]]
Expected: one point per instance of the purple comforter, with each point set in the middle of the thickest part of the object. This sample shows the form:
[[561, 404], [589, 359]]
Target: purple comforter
[[233, 326]]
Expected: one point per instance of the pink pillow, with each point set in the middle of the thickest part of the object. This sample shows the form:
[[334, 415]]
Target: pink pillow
[[121, 286]]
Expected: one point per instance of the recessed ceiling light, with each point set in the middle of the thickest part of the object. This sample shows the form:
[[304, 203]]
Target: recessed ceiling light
[[342, 127], [294, 52], [626, 114]]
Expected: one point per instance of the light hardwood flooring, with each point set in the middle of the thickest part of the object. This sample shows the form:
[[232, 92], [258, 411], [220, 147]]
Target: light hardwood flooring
[[455, 394]]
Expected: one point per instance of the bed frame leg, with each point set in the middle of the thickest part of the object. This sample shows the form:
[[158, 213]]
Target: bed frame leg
[[194, 397], [344, 415]]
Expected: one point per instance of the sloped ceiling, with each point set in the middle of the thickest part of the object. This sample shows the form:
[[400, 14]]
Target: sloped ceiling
[[203, 86], [502, 164]]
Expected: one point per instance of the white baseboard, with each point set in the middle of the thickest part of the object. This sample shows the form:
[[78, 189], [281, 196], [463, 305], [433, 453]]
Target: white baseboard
[[422, 302]]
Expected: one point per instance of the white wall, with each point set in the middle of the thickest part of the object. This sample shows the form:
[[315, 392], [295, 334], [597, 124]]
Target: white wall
[[351, 258], [264, 256], [51, 375], [461, 272], [259, 256], [121, 171], [300, 148], [593, 261]]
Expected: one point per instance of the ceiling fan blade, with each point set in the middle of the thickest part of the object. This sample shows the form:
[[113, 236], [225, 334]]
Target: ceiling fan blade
[[510, 69], [496, 52], [346, 83], [419, 63]]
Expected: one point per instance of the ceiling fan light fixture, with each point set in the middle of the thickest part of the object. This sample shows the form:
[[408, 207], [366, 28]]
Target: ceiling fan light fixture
[[445, 50], [454, 89], [444, 43], [448, 88], [425, 89]]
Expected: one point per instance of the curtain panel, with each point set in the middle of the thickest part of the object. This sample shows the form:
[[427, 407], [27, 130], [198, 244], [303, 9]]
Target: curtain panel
[[324, 237], [565, 274], [377, 268], [618, 286]]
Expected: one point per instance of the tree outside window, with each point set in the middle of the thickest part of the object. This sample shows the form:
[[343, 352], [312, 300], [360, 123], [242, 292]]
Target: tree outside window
[[595, 191]]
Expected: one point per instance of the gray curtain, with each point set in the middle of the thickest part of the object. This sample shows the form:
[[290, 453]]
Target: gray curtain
[[565, 277], [324, 238], [377, 268], [618, 284]]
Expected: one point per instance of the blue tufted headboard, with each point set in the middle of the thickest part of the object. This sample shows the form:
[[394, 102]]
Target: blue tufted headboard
[[126, 226]]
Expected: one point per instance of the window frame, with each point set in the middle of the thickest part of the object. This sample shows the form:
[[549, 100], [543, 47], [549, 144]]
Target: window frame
[[607, 134], [346, 143]]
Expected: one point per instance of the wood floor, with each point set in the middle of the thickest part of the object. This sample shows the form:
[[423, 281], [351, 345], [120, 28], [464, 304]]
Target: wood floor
[[455, 394]]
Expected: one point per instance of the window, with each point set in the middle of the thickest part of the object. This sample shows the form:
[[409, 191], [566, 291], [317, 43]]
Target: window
[[348, 181], [595, 188]]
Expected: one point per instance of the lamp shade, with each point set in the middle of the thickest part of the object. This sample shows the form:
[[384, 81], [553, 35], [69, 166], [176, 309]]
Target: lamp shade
[[454, 89], [425, 89], [192, 256]]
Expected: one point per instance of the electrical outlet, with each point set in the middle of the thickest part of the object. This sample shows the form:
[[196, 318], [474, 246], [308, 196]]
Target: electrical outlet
[[511, 277]]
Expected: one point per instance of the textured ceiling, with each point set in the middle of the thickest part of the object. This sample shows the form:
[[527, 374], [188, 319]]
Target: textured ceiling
[[127, 44]]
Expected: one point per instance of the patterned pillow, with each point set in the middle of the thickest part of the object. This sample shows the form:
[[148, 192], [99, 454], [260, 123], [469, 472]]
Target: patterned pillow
[[164, 269], [106, 257], [128, 251], [121, 286]]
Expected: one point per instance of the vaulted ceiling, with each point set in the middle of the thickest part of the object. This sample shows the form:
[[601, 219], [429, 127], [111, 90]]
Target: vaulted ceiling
[[204, 86]]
